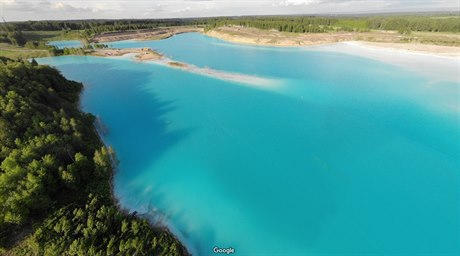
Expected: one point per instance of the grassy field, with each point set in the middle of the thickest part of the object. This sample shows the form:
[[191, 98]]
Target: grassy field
[[15, 52], [51, 35], [437, 38]]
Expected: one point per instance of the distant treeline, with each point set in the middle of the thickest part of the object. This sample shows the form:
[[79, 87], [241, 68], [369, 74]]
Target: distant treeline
[[12, 37], [55, 174], [403, 24], [298, 24], [102, 26], [55, 51], [11, 32]]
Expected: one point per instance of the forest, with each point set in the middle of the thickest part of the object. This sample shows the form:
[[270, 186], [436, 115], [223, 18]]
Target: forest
[[302, 24], [55, 174], [95, 27], [296, 24]]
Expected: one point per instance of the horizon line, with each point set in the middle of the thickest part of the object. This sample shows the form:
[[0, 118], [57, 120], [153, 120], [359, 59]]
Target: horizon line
[[362, 14]]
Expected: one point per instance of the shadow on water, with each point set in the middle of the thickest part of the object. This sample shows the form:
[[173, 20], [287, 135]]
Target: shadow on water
[[139, 131], [135, 117], [196, 237]]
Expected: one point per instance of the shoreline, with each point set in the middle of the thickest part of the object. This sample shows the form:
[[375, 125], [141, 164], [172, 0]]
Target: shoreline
[[251, 36], [440, 67], [438, 61], [152, 34], [140, 54], [167, 227]]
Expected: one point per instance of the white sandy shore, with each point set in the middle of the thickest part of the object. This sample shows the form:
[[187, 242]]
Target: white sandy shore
[[234, 77], [219, 74], [433, 65], [223, 75]]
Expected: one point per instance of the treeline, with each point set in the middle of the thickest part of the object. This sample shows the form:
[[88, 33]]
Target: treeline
[[55, 172], [55, 51], [102, 26], [416, 23], [403, 24], [284, 24], [13, 37], [297, 24]]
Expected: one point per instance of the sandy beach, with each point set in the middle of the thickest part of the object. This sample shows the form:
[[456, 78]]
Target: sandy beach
[[141, 54], [430, 63], [380, 39]]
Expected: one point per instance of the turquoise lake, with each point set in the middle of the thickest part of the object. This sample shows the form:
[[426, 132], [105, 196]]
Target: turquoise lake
[[344, 155]]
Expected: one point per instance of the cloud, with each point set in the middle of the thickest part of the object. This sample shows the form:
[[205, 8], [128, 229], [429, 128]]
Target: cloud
[[156, 8], [186, 9], [60, 6], [39, 6], [113, 9], [294, 2]]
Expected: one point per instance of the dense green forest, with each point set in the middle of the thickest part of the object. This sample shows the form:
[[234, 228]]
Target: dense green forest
[[95, 27], [404, 24], [55, 174], [298, 24]]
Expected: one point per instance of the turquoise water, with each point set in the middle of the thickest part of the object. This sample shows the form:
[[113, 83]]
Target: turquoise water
[[346, 156], [66, 44]]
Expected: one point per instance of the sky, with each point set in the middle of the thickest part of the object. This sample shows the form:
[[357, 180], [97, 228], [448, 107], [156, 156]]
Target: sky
[[18, 10]]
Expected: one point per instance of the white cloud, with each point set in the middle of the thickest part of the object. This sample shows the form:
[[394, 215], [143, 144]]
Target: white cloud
[[295, 2], [89, 9]]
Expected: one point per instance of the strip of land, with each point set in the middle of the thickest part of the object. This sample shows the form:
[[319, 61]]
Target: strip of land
[[147, 54], [224, 75], [139, 53], [151, 34], [442, 44]]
